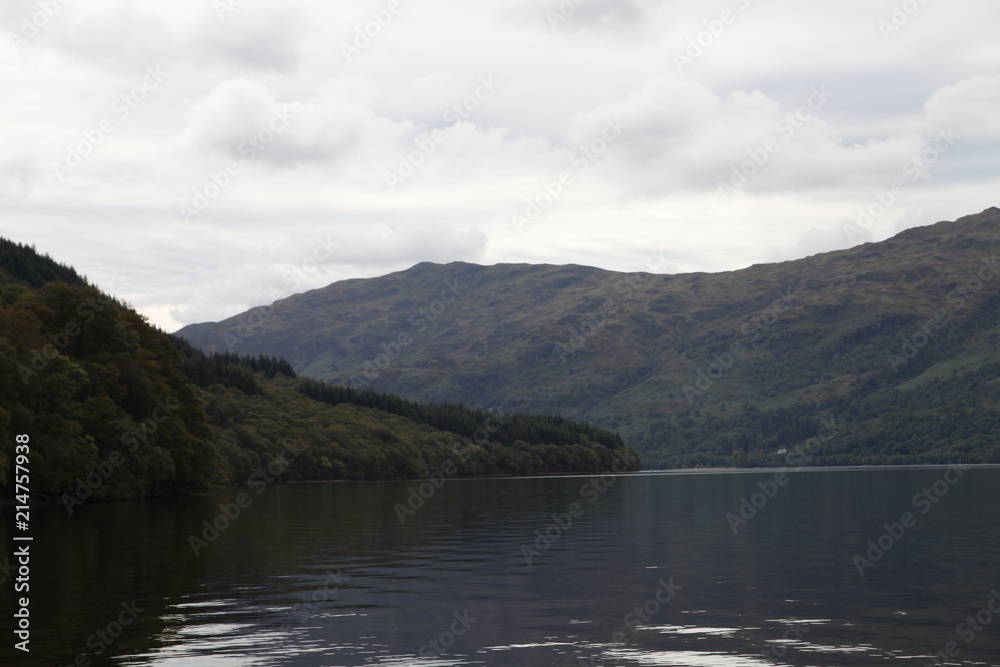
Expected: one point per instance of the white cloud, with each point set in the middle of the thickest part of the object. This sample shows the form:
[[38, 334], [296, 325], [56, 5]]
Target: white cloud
[[971, 106], [556, 87]]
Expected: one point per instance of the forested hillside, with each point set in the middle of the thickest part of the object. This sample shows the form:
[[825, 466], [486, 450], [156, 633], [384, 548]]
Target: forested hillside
[[895, 341], [115, 408], [21, 264]]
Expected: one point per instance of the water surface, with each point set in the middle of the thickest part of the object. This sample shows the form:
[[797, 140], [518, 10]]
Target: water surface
[[649, 572]]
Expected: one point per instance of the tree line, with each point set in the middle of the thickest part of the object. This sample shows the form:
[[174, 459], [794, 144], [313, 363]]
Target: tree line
[[116, 408]]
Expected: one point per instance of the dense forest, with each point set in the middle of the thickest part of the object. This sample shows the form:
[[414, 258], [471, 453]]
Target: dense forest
[[938, 404], [951, 418], [503, 428], [23, 265], [116, 408]]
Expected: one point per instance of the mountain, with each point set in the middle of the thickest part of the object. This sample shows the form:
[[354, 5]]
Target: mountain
[[98, 404], [883, 353]]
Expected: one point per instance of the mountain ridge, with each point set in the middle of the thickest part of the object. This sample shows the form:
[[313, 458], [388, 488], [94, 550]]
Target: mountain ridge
[[641, 352]]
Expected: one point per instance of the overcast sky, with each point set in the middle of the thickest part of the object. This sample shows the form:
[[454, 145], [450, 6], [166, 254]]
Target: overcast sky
[[220, 155]]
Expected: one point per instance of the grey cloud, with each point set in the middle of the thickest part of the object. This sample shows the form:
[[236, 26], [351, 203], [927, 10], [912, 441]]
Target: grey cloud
[[253, 36], [351, 122]]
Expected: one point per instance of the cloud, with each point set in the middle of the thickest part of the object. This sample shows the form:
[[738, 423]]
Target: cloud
[[231, 111], [970, 106], [18, 176], [252, 36], [265, 266], [351, 121], [819, 240]]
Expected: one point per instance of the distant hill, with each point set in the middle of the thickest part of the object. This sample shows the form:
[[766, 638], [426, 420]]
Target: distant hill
[[887, 351], [115, 408]]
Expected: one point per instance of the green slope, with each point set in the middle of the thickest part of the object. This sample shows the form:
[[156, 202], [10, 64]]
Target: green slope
[[115, 408], [691, 369]]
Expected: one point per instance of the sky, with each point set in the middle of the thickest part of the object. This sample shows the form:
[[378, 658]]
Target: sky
[[201, 157]]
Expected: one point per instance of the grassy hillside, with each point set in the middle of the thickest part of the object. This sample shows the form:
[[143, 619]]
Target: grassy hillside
[[115, 408], [691, 369]]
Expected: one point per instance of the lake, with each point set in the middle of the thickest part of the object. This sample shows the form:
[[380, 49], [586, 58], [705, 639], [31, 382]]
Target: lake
[[696, 568]]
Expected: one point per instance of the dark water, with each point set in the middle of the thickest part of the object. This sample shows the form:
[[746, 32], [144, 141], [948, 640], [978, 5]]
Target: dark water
[[326, 574]]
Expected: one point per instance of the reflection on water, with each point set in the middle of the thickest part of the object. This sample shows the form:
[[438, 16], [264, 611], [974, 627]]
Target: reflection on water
[[649, 573]]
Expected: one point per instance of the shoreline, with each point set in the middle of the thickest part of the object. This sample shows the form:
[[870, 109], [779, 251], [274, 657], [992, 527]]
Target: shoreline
[[648, 473]]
